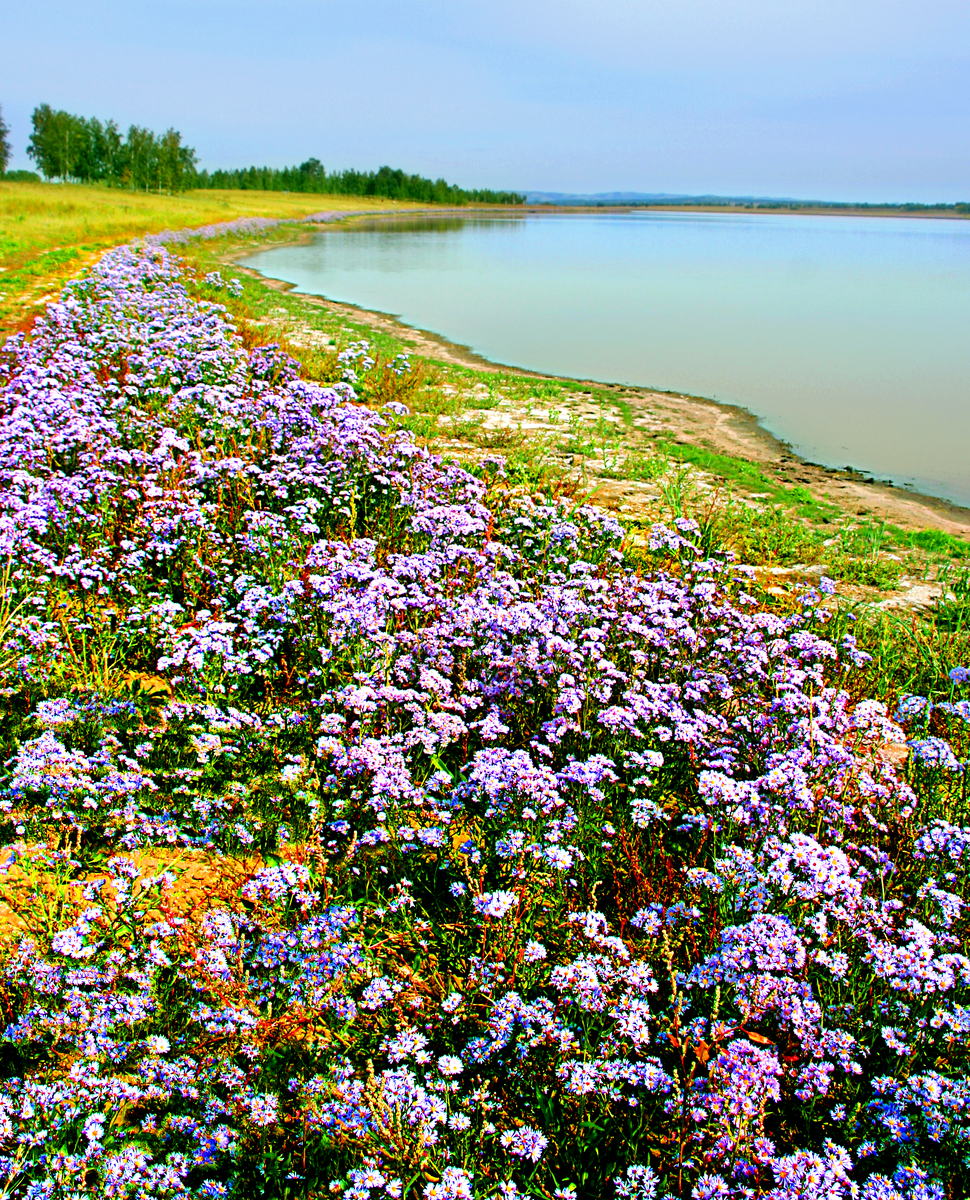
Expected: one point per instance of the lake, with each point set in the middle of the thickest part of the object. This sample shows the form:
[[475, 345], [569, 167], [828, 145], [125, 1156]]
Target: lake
[[848, 337]]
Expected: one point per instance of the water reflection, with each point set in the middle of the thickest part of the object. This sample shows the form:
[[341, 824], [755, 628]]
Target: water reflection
[[432, 224]]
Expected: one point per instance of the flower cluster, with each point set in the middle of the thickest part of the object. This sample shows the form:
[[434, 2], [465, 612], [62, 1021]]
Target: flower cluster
[[239, 227], [371, 828]]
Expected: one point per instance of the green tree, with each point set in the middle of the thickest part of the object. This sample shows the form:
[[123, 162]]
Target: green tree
[[312, 176], [110, 153], [140, 154], [59, 143], [4, 143], [41, 147], [176, 163], [86, 162], [69, 147]]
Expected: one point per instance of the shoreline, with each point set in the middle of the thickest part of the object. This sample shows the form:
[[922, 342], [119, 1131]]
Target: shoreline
[[538, 210], [753, 210], [724, 427]]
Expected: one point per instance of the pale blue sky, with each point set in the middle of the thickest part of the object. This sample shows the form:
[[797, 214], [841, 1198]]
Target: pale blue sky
[[837, 99]]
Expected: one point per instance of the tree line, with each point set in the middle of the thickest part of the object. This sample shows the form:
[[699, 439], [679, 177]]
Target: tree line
[[386, 182], [4, 143], [85, 150]]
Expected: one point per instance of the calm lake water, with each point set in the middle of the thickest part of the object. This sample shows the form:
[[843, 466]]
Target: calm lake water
[[849, 337]]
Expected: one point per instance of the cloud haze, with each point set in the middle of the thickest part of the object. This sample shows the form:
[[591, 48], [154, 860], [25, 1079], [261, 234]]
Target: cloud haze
[[855, 99]]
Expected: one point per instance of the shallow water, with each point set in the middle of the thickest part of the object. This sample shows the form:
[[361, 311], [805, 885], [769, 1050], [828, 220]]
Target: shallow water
[[849, 337]]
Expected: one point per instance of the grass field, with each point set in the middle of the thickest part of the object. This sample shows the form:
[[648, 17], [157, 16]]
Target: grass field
[[49, 231]]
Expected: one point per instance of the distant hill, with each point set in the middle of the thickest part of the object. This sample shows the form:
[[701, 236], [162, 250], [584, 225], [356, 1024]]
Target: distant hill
[[596, 198]]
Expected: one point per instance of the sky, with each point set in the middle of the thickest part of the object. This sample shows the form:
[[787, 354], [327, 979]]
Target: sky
[[829, 99]]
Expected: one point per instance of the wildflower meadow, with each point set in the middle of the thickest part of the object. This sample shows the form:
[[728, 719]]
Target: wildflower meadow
[[372, 829]]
